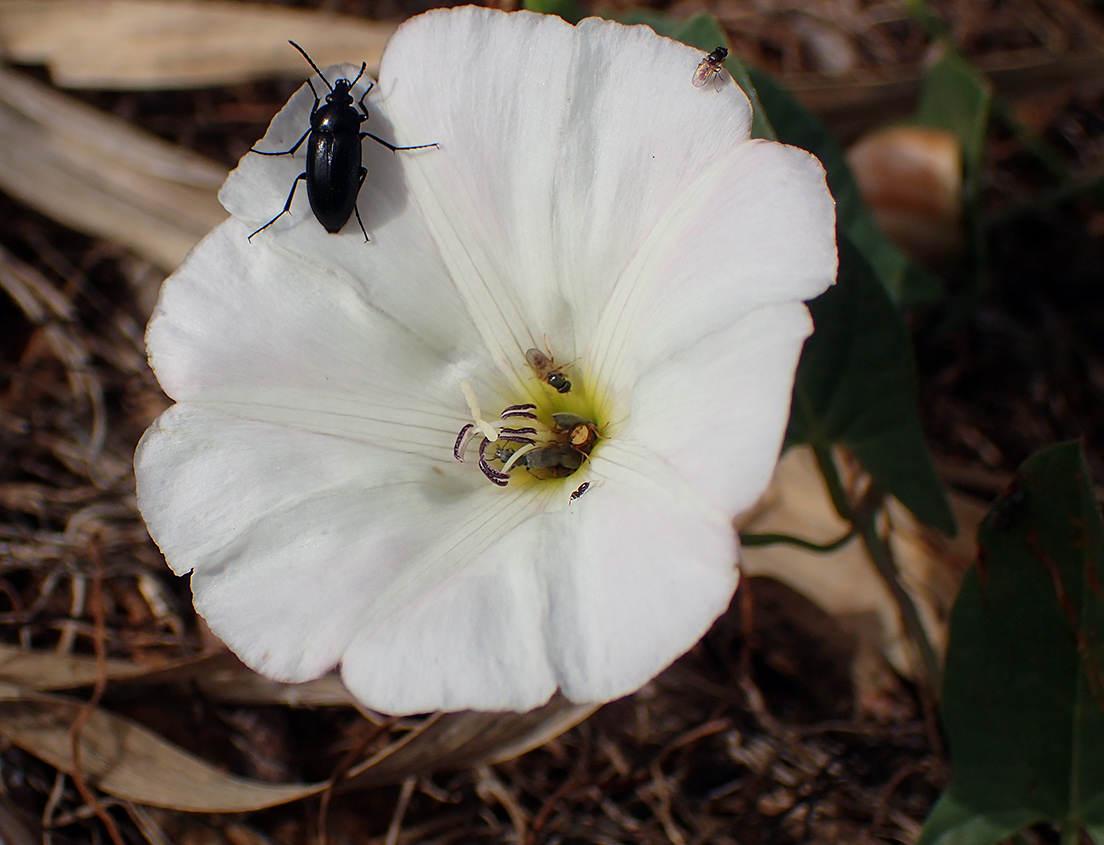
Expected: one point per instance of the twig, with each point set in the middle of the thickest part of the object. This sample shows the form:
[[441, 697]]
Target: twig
[[341, 771], [100, 645], [395, 828], [489, 786]]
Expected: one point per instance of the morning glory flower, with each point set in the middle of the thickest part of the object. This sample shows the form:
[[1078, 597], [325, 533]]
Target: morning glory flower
[[373, 461]]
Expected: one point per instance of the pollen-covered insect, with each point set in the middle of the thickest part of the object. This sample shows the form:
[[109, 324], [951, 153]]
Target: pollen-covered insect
[[710, 67], [581, 433], [547, 371], [573, 439]]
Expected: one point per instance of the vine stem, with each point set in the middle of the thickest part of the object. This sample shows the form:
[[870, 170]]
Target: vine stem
[[864, 520], [756, 540]]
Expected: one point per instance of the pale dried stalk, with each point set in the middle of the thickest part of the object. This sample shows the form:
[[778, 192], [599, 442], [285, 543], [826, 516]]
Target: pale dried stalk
[[100, 175], [159, 44]]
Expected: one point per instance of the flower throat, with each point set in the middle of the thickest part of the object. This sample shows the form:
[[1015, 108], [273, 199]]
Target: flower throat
[[523, 437]]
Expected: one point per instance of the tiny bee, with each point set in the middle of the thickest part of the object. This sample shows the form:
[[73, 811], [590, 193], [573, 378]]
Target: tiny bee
[[545, 368], [710, 67]]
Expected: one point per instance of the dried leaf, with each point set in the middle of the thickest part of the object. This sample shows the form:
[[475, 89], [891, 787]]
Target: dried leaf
[[47, 670], [845, 582], [221, 677], [464, 740], [158, 44], [128, 761], [869, 98], [133, 763], [101, 175]]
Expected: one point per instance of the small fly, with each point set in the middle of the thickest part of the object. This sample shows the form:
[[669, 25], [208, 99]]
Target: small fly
[[547, 371], [710, 67]]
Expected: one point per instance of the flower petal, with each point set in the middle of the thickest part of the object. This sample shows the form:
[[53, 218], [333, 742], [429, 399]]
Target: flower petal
[[760, 230], [596, 598], [398, 271], [475, 643], [551, 177], [716, 410], [262, 334], [586, 196], [648, 566], [299, 542]]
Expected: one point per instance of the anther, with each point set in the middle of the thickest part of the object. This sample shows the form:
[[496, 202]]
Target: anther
[[499, 478], [526, 411], [462, 441]]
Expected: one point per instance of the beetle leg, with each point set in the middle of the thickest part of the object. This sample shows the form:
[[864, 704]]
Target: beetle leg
[[298, 144], [287, 205], [363, 173], [363, 109], [316, 100], [392, 147]]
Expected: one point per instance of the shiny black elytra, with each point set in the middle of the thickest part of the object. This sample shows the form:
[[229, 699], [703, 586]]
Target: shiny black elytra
[[334, 172]]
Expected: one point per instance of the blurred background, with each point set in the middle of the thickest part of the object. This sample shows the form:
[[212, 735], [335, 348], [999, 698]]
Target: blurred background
[[796, 720]]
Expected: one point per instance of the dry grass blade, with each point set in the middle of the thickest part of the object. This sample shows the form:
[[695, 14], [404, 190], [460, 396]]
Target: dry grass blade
[[220, 677], [138, 44], [100, 175], [236, 683], [130, 762], [44, 671], [46, 307], [465, 740]]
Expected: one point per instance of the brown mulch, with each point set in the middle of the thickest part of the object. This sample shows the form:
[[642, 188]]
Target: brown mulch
[[756, 736]]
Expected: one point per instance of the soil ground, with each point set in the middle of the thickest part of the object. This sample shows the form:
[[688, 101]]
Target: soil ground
[[756, 736]]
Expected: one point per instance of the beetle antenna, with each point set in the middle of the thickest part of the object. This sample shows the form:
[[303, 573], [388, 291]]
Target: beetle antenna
[[313, 65], [363, 65]]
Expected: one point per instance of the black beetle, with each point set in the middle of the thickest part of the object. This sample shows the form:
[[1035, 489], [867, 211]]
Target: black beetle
[[334, 172]]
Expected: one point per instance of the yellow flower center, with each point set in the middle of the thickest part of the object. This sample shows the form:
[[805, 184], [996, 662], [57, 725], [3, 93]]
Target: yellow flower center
[[549, 438]]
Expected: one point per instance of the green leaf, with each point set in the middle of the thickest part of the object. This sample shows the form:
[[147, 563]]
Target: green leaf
[[1023, 698], [760, 121], [701, 31], [569, 10], [905, 282], [957, 99], [856, 386]]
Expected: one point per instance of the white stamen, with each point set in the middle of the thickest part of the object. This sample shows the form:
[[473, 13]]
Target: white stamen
[[488, 430], [517, 454]]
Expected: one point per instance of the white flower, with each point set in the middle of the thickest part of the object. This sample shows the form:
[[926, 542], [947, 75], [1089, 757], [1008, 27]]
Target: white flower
[[587, 202]]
